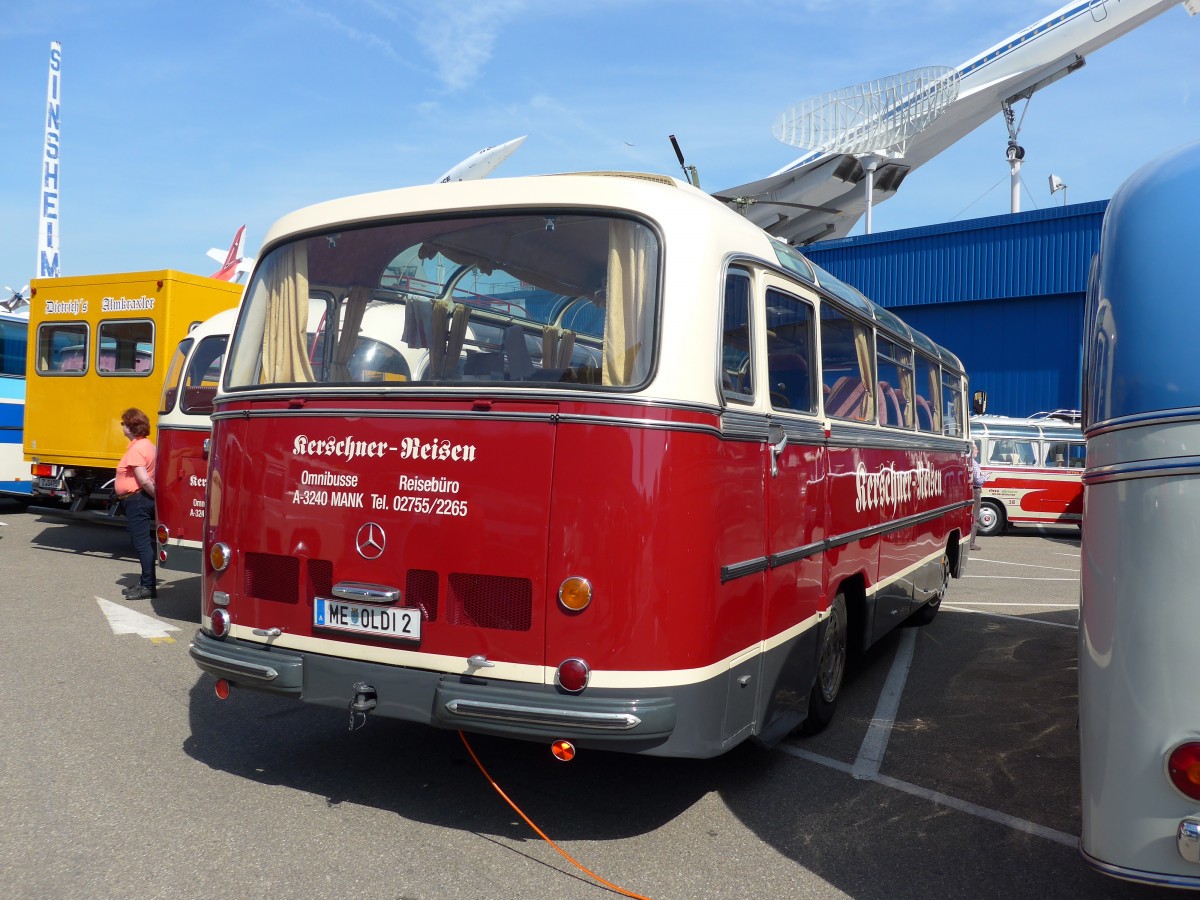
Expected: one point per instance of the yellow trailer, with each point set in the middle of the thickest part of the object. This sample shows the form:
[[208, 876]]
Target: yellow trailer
[[99, 344]]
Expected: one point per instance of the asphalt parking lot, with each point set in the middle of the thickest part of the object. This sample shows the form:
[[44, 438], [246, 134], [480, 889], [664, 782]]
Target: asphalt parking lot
[[951, 769]]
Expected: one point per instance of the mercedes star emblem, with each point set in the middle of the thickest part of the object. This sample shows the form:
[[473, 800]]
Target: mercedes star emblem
[[370, 541]]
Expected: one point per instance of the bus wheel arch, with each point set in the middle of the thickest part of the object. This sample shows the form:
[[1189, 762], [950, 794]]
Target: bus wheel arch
[[992, 519], [929, 609]]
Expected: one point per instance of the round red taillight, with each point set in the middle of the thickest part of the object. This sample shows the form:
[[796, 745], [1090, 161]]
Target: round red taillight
[[220, 623], [163, 533], [572, 675], [1183, 768], [222, 689]]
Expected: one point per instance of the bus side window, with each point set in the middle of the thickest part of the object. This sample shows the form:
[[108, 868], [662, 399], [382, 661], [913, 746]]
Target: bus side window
[[1056, 455], [789, 350], [737, 373], [1076, 454], [927, 382], [846, 367]]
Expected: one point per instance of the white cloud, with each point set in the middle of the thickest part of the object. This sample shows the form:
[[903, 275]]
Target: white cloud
[[460, 38]]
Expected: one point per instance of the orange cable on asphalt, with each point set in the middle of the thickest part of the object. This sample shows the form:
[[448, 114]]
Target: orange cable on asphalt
[[567, 856]]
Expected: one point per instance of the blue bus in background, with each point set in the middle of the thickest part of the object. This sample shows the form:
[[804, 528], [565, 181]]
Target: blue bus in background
[[15, 480], [1139, 640]]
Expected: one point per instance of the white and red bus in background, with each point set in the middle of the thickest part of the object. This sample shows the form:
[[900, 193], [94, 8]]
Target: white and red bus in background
[[1034, 471], [582, 458], [184, 429]]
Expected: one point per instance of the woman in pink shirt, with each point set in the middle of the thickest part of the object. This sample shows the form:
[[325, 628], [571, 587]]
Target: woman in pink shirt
[[135, 488]]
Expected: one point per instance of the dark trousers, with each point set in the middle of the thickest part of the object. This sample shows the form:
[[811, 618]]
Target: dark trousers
[[975, 513], [139, 513]]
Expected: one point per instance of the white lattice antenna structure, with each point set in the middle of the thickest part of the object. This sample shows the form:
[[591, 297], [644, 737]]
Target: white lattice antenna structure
[[878, 116]]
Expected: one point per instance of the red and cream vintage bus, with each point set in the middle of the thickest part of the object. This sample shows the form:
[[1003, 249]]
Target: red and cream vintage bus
[[587, 458], [184, 429], [1034, 472]]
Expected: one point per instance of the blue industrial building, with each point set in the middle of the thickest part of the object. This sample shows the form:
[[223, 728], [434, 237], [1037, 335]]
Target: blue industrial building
[[1005, 293]]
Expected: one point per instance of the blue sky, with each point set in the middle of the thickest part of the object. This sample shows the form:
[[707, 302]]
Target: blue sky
[[182, 121]]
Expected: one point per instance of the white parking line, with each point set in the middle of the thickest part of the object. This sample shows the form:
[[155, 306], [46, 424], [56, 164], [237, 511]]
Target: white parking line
[[1020, 603], [1018, 578], [1003, 562], [867, 764], [870, 754], [995, 615], [973, 809]]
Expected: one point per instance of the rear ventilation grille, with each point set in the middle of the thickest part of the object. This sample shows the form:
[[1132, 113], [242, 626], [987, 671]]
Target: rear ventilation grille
[[320, 578], [490, 601], [421, 590], [271, 577]]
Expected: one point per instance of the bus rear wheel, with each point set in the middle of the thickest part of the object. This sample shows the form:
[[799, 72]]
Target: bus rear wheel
[[831, 670], [991, 518]]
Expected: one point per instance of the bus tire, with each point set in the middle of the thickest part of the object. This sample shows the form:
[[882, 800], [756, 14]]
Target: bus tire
[[991, 518], [831, 669], [926, 613]]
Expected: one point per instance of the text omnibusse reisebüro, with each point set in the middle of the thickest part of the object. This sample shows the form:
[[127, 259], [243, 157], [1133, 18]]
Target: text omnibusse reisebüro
[[312, 490]]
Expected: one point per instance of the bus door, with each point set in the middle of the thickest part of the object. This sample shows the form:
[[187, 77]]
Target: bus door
[[793, 463]]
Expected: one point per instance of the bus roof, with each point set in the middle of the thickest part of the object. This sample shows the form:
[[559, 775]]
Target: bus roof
[[658, 196]]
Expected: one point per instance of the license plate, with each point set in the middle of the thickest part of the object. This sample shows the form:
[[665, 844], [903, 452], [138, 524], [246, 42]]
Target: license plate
[[358, 618]]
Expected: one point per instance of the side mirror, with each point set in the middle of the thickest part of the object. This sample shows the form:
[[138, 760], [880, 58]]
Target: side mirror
[[979, 403]]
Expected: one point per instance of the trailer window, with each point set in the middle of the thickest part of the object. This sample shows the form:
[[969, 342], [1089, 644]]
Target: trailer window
[[62, 348], [126, 348]]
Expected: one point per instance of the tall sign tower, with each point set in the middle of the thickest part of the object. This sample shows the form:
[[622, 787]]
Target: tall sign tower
[[47, 264]]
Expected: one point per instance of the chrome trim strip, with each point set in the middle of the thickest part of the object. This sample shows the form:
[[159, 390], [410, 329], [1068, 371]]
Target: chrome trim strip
[[530, 715], [202, 429], [250, 670], [1180, 416], [1184, 465], [366, 593], [1139, 875], [794, 554], [742, 569]]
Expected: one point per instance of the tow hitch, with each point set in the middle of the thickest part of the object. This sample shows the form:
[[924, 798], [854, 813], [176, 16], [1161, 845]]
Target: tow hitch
[[364, 701]]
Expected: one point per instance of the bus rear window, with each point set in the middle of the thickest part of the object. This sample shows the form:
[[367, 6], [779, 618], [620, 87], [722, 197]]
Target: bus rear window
[[563, 300]]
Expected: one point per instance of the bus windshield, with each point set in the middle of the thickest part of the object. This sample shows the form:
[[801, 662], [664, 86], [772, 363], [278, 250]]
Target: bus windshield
[[546, 299]]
